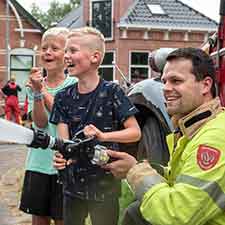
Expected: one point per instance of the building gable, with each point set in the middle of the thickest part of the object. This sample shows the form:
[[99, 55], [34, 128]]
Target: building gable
[[27, 16]]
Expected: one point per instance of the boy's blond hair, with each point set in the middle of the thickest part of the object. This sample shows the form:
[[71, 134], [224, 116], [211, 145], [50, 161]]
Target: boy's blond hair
[[97, 43], [55, 31]]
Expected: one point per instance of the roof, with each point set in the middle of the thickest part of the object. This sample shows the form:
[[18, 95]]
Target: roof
[[178, 16], [73, 19], [25, 14]]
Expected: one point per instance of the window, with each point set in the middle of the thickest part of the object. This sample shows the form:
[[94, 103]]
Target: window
[[21, 61], [139, 69], [106, 70], [156, 9], [101, 17]]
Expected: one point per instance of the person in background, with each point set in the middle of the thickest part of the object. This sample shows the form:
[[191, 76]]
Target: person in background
[[10, 90], [103, 111], [42, 193], [191, 189]]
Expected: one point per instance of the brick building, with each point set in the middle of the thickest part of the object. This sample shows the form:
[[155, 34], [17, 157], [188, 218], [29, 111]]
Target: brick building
[[20, 37], [134, 28]]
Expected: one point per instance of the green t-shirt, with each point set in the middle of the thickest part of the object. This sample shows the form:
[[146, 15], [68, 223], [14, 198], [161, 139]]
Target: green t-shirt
[[41, 160]]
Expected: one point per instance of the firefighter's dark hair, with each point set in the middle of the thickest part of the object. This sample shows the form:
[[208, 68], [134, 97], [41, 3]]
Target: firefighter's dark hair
[[202, 64]]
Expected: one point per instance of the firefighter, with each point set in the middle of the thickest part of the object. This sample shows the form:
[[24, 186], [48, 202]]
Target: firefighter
[[191, 189], [12, 109]]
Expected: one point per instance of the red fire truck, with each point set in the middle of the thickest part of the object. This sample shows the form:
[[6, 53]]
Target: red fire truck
[[217, 51]]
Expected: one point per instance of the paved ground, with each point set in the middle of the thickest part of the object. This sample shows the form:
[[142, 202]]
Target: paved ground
[[12, 159]]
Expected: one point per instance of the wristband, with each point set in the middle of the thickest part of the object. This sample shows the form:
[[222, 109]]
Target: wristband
[[38, 96]]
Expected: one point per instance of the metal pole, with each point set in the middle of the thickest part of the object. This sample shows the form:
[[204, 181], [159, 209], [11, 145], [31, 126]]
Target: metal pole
[[128, 83], [7, 40]]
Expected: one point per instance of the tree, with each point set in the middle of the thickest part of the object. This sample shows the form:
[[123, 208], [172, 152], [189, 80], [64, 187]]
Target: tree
[[55, 12]]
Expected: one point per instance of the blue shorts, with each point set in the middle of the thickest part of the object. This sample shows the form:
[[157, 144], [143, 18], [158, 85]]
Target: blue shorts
[[42, 195]]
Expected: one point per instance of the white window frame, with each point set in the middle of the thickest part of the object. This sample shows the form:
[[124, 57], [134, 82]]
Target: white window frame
[[156, 9], [112, 13], [138, 66], [21, 52]]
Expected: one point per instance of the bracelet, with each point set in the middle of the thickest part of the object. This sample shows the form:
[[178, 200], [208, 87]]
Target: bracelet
[[38, 96]]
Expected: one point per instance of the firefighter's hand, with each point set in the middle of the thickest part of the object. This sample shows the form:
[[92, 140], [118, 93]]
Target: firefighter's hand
[[92, 131], [36, 78], [139, 172], [121, 165]]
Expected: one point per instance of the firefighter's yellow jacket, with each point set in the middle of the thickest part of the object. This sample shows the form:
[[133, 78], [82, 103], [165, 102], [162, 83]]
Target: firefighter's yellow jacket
[[192, 190]]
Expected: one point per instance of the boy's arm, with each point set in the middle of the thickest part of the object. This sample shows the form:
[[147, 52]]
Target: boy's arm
[[44, 104], [48, 99], [62, 130], [39, 114], [130, 133]]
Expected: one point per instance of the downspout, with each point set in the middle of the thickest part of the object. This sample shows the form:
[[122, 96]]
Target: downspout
[[7, 41], [22, 41]]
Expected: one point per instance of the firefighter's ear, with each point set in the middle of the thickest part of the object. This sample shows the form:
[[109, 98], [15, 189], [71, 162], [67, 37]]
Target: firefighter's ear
[[207, 84]]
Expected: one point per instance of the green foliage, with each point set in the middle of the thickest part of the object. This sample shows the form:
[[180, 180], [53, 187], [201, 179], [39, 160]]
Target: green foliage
[[55, 12]]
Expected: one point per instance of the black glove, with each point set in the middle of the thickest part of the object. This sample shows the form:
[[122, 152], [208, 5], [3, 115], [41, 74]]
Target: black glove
[[41, 139]]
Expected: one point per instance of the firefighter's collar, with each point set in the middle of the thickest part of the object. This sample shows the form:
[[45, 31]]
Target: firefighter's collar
[[191, 123]]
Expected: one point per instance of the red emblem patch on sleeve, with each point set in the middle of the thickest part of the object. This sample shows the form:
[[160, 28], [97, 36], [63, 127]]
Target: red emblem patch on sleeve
[[207, 157]]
